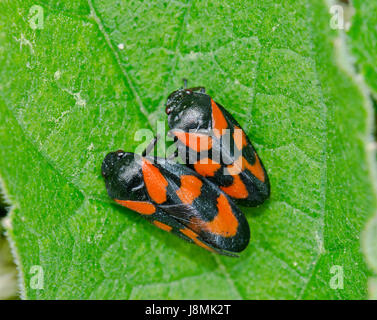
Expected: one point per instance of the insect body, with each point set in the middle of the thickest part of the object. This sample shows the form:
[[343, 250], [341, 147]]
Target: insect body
[[176, 199], [230, 161]]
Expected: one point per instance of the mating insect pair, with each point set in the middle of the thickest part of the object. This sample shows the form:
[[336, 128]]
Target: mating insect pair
[[196, 201]]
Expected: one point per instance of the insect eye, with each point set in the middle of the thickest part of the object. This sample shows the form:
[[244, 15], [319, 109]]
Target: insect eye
[[168, 110]]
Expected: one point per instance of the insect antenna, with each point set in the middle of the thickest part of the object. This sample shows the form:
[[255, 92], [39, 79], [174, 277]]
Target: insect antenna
[[200, 89], [184, 83]]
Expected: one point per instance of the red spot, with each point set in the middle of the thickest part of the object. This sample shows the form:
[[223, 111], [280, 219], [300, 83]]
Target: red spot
[[237, 189], [142, 207], [206, 167], [190, 189], [241, 164], [162, 226], [195, 141], [224, 224], [239, 138], [154, 181], [193, 236], [256, 168]]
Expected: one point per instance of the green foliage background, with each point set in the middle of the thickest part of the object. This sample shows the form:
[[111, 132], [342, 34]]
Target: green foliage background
[[70, 93], [363, 43]]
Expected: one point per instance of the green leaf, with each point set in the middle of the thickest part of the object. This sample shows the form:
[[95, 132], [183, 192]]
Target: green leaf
[[363, 41], [96, 72]]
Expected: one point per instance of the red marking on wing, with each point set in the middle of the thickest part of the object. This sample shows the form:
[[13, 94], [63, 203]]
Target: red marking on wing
[[237, 166], [190, 189], [196, 141], [256, 168], [237, 189], [239, 138], [218, 120], [154, 181], [224, 224], [193, 236], [142, 207], [241, 164], [162, 226], [206, 167]]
